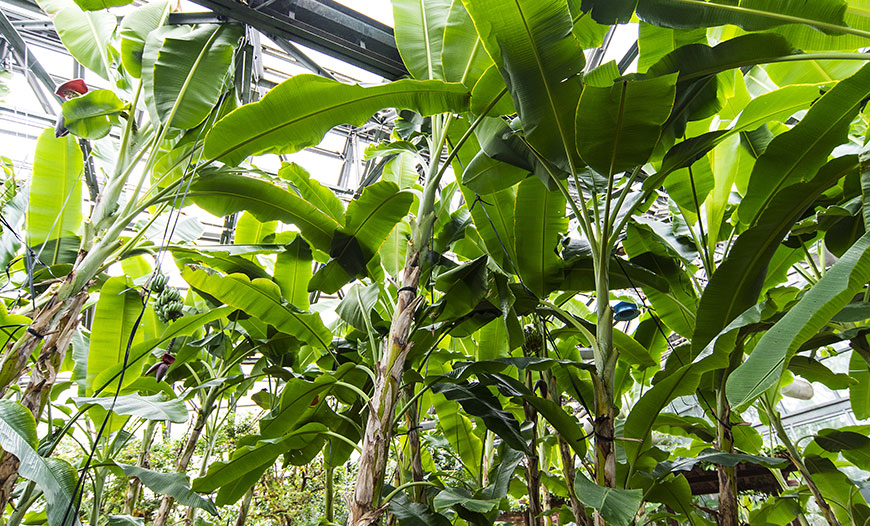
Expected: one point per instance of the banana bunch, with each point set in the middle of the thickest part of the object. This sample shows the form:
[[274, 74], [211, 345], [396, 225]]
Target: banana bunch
[[533, 344], [158, 283], [168, 305]]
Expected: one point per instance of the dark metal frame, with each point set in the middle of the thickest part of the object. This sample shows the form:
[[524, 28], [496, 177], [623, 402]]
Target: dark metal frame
[[323, 25]]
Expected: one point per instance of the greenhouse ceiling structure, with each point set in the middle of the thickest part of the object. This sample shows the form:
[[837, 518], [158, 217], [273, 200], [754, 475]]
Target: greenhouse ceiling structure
[[451, 262]]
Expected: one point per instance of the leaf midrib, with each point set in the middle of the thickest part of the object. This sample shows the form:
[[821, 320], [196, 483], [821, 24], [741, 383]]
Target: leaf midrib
[[756, 255], [550, 98], [271, 204], [249, 285], [314, 115]]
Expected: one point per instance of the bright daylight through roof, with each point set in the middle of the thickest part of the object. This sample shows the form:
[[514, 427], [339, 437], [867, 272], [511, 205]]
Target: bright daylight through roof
[[434, 262]]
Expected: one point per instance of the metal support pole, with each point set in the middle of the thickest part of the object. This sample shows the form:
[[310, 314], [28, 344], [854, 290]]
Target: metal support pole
[[289, 48], [349, 162], [31, 66]]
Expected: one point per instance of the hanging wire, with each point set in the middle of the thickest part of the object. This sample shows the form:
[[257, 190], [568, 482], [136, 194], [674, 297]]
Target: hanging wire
[[178, 199], [668, 342]]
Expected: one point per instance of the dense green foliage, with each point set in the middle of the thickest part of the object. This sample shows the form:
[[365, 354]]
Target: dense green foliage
[[471, 362]]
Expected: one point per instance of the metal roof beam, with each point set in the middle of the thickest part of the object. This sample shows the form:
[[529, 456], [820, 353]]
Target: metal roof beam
[[323, 25], [31, 66]]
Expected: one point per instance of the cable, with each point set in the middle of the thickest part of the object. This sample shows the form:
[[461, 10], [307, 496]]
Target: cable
[[507, 253], [667, 341], [167, 236]]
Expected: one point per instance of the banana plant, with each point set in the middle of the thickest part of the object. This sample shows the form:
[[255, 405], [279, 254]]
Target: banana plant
[[179, 77], [754, 259], [588, 136]]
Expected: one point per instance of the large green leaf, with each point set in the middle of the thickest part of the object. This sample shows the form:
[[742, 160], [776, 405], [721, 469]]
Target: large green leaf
[[852, 443], [415, 513], [370, 218], [55, 477], [116, 312], [176, 485], [735, 285], [96, 5], [532, 43], [765, 365], [293, 269], [218, 260], [463, 57], [489, 88], [463, 287], [357, 305], [312, 191], [655, 42], [297, 400], [641, 420], [184, 74], [720, 458], [807, 38], [459, 431], [752, 15], [494, 219], [616, 506], [54, 212], [859, 392], [134, 29], [85, 35], [224, 194], [676, 307], [566, 425], [368, 222], [451, 497], [184, 326], [477, 400], [254, 458], [250, 231], [298, 112], [485, 175], [698, 85], [775, 105], [618, 126], [609, 11], [813, 370], [261, 298], [154, 407], [420, 34], [539, 223], [88, 116], [796, 155]]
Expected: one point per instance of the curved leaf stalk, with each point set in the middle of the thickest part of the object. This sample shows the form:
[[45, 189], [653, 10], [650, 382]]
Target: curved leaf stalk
[[99, 479], [143, 461], [246, 506], [486, 459], [112, 191], [329, 490], [533, 470], [25, 501], [54, 328], [167, 502], [776, 421], [412, 421], [728, 510], [789, 19], [567, 458]]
